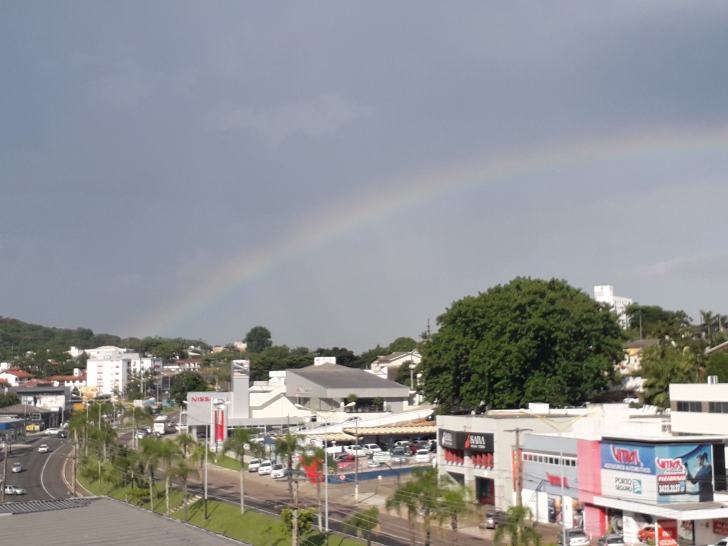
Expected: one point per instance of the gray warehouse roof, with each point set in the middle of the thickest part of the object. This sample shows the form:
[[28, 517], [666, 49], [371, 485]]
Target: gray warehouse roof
[[333, 376]]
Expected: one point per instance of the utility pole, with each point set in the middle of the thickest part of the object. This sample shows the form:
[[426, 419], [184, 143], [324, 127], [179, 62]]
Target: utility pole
[[519, 485], [5, 470], [294, 541]]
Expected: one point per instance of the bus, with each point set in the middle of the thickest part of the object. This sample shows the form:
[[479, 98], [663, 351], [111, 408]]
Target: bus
[[163, 425]]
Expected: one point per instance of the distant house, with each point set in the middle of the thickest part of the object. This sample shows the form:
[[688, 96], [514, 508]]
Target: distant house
[[387, 367], [631, 363], [16, 377]]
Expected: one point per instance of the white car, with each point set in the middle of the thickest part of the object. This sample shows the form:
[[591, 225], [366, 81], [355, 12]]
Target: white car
[[253, 465], [52, 431], [17, 467], [265, 468], [12, 490], [353, 450], [43, 448], [422, 456], [371, 448], [278, 471]]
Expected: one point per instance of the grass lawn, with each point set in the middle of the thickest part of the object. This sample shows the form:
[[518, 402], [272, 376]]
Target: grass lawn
[[160, 502], [257, 529], [228, 462]]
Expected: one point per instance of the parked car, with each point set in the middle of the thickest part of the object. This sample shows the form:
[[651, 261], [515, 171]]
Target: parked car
[[401, 443], [347, 458], [13, 490], [265, 467], [373, 464], [414, 447], [253, 465], [611, 539], [43, 448], [278, 471], [648, 533], [371, 448], [721, 542], [495, 518], [52, 431], [17, 467], [574, 537], [353, 450], [399, 455], [422, 456]]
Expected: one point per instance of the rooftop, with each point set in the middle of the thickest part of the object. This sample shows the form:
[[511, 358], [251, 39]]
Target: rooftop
[[333, 376]]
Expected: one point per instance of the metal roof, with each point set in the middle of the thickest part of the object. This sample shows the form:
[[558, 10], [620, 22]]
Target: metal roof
[[333, 376], [102, 521], [426, 429]]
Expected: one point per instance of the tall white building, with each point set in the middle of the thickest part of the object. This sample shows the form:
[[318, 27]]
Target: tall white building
[[110, 372], [604, 293]]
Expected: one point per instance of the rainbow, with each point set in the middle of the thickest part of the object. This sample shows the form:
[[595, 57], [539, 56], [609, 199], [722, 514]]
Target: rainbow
[[342, 217]]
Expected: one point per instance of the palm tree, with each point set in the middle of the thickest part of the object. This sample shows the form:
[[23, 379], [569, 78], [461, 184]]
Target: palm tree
[[429, 497], [317, 456], [516, 529], [183, 472], [149, 460], [364, 523], [458, 500], [139, 415], [405, 497], [286, 447], [239, 443], [168, 452], [185, 441]]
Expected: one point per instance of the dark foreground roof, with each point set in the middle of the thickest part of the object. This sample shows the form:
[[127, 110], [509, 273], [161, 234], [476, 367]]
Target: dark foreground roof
[[102, 521], [333, 376]]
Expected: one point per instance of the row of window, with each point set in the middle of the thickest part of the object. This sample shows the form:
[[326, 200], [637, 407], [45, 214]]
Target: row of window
[[547, 459], [690, 406]]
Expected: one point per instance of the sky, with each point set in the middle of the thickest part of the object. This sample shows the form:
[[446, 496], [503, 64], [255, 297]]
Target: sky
[[342, 172]]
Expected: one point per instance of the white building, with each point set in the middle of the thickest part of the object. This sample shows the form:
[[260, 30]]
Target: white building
[[604, 293], [110, 371], [387, 367]]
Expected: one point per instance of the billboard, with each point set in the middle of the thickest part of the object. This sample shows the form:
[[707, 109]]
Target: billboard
[[657, 473]]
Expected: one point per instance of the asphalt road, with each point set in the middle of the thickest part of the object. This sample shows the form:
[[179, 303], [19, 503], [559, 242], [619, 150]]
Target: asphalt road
[[43, 473]]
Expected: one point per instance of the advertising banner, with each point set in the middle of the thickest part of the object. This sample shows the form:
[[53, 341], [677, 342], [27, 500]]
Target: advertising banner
[[454, 439], [667, 532], [684, 473], [664, 474]]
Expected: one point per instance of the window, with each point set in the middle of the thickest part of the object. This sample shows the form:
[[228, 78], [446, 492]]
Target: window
[[695, 407], [717, 407]]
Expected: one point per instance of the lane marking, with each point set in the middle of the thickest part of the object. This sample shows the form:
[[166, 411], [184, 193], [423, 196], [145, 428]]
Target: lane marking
[[41, 476]]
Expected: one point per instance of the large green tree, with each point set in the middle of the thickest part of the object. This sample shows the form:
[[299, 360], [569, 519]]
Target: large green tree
[[185, 382], [529, 340], [257, 339]]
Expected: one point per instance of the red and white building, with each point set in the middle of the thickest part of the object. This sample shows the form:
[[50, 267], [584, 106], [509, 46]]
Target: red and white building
[[16, 377]]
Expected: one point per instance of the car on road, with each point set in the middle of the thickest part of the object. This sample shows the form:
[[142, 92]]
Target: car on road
[[422, 456], [52, 431], [648, 533], [13, 490], [63, 434], [611, 539], [265, 467], [495, 518], [17, 467], [278, 471], [141, 434], [43, 448], [253, 465], [574, 537]]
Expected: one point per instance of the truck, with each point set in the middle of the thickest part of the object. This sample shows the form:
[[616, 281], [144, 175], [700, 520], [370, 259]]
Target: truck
[[163, 425]]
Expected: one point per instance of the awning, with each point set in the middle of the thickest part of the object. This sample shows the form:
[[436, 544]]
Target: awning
[[686, 511], [411, 430], [334, 437]]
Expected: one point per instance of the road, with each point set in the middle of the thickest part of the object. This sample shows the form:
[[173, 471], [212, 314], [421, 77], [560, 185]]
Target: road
[[43, 473]]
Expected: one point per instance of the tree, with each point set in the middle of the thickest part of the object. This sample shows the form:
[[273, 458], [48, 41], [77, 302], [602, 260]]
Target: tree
[[149, 459], [363, 523], [316, 457], [183, 472], [344, 357], [515, 527], [402, 345], [240, 442], [257, 339], [652, 321], [458, 501], [663, 364], [168, 453], [185, 442], [286, 447], [527, 340], [304, 520], [8, 399], [718, 365], [185, 382], [405, 498]]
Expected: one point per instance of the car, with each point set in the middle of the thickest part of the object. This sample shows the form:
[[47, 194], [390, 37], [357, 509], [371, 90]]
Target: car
[[402, 443], [721, 542], [354, 450], [141, 433], [373, 464], [400, 455], [63, 434], [347, 458], [414, 447], [265, 467], [52, 431], [611, 539], [647, 533], [371, 448], [278, 471], [13, 490], [574, 537], [43, 448], [495, 518], [422, 456], [17, 467], [253, 465]]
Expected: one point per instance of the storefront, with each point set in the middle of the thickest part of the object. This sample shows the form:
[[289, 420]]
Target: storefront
[[478, 448]]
